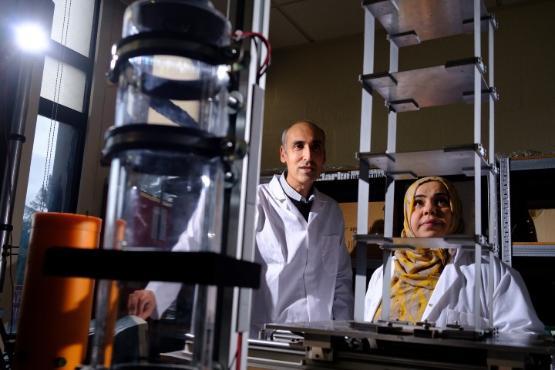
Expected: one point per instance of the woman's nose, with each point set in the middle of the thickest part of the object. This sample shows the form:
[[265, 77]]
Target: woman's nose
[[429, 208]]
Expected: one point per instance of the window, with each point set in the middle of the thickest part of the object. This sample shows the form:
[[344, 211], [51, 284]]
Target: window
[[61, 124]]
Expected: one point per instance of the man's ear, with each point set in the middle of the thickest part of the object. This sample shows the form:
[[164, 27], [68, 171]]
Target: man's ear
[[282, 154]]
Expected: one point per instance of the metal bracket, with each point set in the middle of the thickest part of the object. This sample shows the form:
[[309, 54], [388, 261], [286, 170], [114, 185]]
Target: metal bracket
[[318, 347]]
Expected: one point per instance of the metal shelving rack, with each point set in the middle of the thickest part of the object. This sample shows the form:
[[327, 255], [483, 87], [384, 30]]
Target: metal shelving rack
[[510, 249], [407, 23]]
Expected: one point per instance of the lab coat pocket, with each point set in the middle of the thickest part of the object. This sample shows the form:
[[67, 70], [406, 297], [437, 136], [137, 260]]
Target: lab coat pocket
[[464, 318], [330, 249]]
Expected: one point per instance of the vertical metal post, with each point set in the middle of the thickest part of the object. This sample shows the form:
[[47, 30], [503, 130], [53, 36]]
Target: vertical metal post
[[390, 192], [234, 322], [505, 190], [13, 155], [41, 12], [363, 185], [492, 183], [477, 168]]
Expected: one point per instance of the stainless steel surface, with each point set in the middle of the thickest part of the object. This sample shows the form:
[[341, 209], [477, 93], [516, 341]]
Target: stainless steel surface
[[493, 210], [250, 15], [410, 165], [363, 183], [422, 20], [515, 343], [532, 164], [426, 87], [453, 241], [533, 250]]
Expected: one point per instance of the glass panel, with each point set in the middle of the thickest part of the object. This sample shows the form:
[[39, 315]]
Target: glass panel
[[72, 24], [50, 187], [63, 84]]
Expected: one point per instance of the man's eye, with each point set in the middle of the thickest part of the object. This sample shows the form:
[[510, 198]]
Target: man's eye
[[298, 146]]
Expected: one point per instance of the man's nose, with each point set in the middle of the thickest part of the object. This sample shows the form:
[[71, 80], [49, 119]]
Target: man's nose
[[307, 152]]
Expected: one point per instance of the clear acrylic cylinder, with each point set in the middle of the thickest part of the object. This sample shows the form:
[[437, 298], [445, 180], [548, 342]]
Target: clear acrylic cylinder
[[166, 185]]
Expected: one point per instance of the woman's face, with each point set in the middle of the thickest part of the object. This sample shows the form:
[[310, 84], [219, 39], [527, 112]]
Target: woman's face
[[432, 215]]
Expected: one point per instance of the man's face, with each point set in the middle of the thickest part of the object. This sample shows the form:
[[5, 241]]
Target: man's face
[[304, 153]]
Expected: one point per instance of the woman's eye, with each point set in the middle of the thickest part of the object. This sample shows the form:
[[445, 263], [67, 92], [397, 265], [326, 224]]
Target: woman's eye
[[443, 202], [418, 203]]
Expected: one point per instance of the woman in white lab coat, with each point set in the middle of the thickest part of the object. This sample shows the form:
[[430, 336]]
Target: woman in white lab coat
[[438, 284]]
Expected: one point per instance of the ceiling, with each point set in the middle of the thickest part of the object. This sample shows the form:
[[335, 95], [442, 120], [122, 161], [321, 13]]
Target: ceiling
[[297, 22]]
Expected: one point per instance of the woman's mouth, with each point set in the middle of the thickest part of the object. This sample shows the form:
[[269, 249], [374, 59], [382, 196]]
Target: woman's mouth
[[432, 223]]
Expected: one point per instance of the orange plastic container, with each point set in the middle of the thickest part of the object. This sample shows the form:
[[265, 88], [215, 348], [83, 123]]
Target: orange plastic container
[[55, 312]]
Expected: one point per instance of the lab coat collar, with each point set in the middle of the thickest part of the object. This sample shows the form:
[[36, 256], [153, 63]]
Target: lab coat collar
[[279, 194], [281, 197], [292, 193]]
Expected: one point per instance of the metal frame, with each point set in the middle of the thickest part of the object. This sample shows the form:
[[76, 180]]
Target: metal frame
[[363, 183], [505, 189], [75, 119], [365, 139], [508, 250], [231, 344]]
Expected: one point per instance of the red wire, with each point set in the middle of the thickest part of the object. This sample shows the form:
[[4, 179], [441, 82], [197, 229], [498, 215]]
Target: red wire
[[243, 35]]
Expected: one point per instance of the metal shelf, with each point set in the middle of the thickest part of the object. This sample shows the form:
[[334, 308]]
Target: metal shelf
[[533, 164], [428, 87], [409, 22], [452, 241], [411, 165], [533, 250]]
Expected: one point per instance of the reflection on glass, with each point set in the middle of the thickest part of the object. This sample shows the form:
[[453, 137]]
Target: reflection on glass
[[72, 24], [50, 187], [63, 84]]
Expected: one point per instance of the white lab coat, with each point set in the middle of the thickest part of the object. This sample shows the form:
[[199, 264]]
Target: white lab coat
[[306, 268], [453, 297], [190, 240]]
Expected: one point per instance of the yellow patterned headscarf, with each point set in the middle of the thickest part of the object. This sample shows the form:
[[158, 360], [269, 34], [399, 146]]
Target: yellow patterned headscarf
[[417, 271]]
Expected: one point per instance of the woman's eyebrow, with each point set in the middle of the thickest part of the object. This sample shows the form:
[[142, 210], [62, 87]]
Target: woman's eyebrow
[[441, 194]]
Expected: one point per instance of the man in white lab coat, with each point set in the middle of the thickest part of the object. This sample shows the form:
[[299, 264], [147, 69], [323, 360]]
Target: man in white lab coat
[[300, 245]]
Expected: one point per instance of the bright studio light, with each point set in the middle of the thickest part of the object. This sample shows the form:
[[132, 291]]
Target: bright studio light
[[30, 37]]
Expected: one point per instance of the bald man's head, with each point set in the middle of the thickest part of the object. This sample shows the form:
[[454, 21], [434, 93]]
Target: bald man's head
[[303, 152], [314, 126]]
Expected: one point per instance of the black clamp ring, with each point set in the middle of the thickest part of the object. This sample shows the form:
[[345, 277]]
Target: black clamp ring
[[167, 43]]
